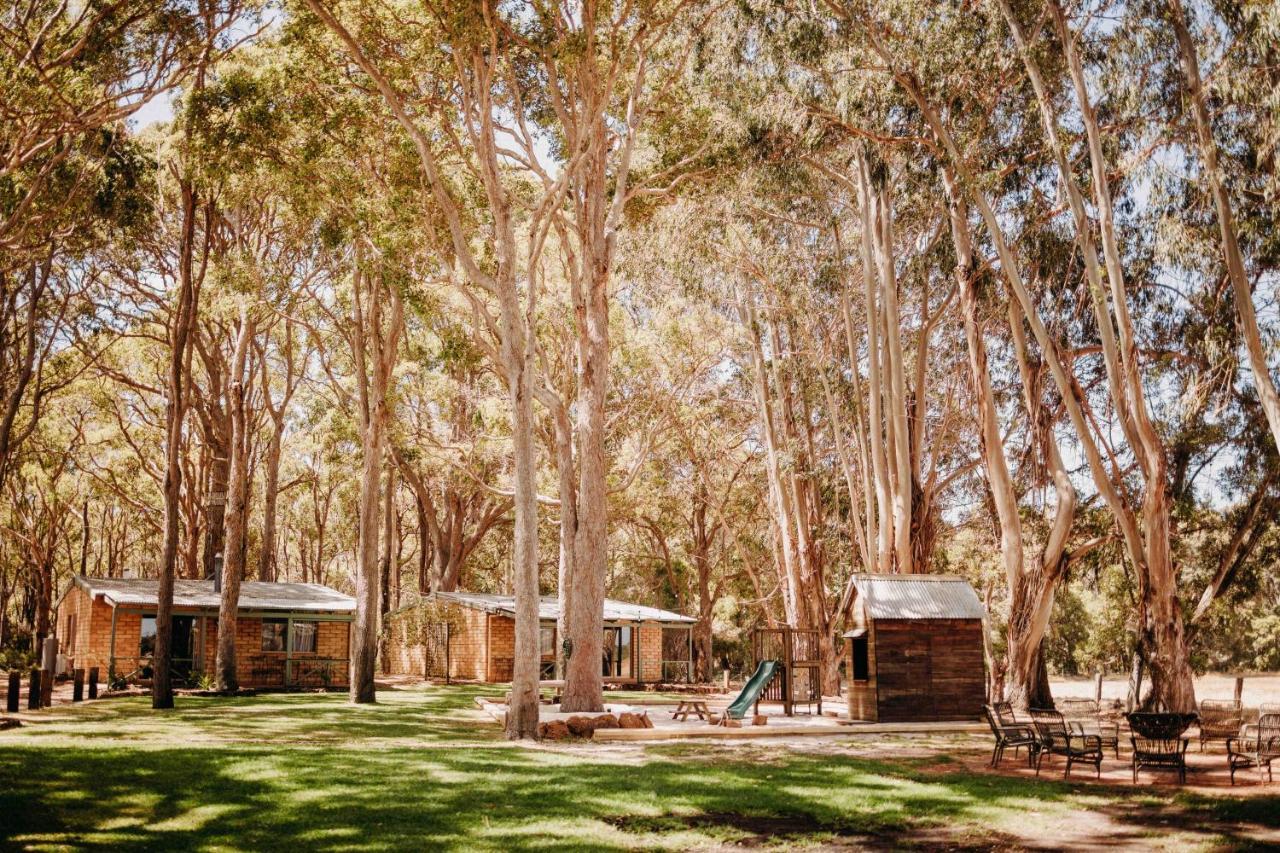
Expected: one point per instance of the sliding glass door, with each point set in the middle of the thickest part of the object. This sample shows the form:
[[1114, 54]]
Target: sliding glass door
[[617, 653]]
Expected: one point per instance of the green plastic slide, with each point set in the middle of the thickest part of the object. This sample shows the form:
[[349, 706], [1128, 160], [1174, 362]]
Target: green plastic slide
[[752, 689]]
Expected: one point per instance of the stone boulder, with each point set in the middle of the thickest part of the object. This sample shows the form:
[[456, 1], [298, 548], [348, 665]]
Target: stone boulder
[[581, 726], [554, 730], [628, 720]]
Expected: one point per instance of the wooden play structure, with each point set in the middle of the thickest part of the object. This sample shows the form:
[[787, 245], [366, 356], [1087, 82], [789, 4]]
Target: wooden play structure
[[799, 676]]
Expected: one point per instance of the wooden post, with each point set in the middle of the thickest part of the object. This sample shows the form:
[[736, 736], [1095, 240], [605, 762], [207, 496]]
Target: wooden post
[[46, 688], [33, 691], [111, 654], [93, 682], [1239, 687], [77, 686], [1097, 688], [15, 691]]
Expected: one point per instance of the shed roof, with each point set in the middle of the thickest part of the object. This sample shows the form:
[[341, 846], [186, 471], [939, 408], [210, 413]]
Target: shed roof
[[918, 597], [254, 595], [549, 608]]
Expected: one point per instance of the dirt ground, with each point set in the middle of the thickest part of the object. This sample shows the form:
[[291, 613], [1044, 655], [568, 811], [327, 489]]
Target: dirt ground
[[1258, 689]]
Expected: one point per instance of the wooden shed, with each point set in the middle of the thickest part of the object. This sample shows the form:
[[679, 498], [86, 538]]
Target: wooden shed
[[915, 650]]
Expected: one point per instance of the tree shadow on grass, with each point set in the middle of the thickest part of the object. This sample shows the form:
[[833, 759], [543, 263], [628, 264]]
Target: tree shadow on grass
[[424, 715], [502, 798]]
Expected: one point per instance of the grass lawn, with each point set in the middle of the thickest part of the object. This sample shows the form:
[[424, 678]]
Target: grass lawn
[[422, 769]]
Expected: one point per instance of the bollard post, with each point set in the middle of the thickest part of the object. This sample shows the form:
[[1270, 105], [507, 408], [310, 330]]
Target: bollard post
[[1239, 687], [93, 682], [15, 692], [46, 688], [77, 686], [33, 691]]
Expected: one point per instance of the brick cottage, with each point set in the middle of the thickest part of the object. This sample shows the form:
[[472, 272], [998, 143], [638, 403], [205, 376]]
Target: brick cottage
[[287, 634], [471, 636]]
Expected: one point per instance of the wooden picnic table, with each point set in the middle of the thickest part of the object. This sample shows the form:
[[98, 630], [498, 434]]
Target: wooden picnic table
[[686, 707]]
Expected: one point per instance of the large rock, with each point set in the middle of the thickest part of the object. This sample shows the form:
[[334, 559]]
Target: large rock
[[629, 720], [605, 721], [554, 730], [580, 726]]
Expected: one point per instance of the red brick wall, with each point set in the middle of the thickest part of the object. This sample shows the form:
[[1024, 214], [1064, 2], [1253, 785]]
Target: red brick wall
[[649, 644], [92, 643], [258, 668], [482, 648], [502, 648], [468, 643]]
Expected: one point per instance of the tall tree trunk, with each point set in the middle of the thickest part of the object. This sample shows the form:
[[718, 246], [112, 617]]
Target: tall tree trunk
[[1241, 292], [522, 715], [899, 433], [375, 344], [389, 545], [270, 498], [1161, 620], [875, 427], [233, 563], [218, 441], [175, 413]]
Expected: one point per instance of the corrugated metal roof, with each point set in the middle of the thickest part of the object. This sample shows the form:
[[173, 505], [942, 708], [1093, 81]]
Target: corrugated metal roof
[[549, 608], [254, 595], [918, 597]]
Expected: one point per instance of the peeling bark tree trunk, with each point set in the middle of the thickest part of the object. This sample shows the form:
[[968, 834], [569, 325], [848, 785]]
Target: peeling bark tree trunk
[[374, 346], [175, 413], [270, 496], [1241, 292], [389, 545], [233, 563], [1146, 544]]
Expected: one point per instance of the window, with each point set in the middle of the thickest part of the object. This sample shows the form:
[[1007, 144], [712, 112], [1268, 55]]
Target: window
[[861, 658], [273, 634], [675, 654], [547, 641], [303, 638], [147, 643], [616, 653]]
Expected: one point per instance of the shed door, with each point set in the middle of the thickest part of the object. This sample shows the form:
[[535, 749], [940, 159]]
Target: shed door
[[904, 674]]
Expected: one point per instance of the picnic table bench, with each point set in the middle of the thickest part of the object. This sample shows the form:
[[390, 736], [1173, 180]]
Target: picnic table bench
[[698, 707]]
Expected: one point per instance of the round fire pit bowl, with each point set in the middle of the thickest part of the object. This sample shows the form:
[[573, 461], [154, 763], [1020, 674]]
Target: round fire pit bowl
[[1160, 725]]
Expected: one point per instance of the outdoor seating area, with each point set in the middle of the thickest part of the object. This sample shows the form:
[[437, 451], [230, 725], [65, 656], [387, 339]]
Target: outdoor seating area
[[1257, 746], [1155, 742]]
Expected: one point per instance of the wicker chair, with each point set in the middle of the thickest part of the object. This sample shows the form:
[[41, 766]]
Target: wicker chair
[[1057, 738], [1257, 746], [1087, 715], [1009, 734], [1220, 719], [1158, 742]]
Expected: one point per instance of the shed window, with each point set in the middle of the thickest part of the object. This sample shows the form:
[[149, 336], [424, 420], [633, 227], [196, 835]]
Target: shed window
[[303, 638], [273, 634], [861, 659]]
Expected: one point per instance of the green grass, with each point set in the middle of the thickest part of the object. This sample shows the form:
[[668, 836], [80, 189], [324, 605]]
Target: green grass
[[424, 769]]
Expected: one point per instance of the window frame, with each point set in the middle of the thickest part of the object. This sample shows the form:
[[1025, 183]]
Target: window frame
[[860, 659], [314, 626], [283, 624]]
